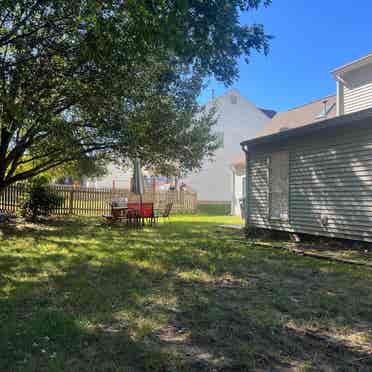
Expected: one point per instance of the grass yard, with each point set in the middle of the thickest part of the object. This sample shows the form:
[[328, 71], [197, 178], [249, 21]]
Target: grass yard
[[183, 296], [214, 209]]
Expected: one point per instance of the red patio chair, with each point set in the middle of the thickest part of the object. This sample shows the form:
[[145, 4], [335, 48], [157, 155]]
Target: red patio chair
[[147, 212], [134, 213], [139, 213]]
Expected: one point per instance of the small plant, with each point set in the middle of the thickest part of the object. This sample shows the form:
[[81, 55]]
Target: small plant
[[40, 200]]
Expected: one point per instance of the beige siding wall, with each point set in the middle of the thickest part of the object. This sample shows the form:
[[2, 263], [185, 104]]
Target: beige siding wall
[[358, 93], [330, 186]]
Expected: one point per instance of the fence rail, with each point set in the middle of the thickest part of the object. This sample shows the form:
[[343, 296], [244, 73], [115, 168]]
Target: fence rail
[[86, 201]]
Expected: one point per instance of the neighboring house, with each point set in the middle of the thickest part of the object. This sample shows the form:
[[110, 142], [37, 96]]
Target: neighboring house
[[121, 177], [310, 171], [115, 178], [238, 184], [237, 119]]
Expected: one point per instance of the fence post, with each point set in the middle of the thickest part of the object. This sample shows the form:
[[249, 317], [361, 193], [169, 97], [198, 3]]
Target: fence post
[[71, 202], [91, 201]]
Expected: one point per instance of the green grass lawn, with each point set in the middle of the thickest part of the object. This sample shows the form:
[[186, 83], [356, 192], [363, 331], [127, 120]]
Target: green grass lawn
[[214, 209], [183, 296]]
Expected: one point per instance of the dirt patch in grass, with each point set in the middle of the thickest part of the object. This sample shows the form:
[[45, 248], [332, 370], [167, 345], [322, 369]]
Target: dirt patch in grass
[[339, 249], [348, 250]]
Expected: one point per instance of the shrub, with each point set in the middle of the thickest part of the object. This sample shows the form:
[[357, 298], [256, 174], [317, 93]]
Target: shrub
[[40, 200]]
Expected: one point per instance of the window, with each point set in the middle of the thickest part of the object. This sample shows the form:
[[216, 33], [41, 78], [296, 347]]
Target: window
[[244, 187], [279, 185], [233, 99]]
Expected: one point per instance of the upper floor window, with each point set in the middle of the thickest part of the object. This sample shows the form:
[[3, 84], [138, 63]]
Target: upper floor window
[[233, 99]]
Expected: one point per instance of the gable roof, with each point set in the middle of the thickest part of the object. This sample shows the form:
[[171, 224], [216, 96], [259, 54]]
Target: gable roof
[[353, 65], [300, 116], [269, 113], [362, 117]]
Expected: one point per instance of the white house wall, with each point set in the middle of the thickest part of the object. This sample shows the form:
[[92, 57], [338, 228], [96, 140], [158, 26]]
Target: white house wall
[[115, 176], [358, 91], [238, 122]]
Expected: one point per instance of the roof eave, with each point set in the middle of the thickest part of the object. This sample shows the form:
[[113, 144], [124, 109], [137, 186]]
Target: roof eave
[[352, 65], [309, 128]]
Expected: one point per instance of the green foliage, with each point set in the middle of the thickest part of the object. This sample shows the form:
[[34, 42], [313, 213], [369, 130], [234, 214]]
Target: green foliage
[[77, 169], [114, 80], [40, 200]]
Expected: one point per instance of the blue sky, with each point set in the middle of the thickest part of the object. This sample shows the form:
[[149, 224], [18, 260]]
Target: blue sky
[[311, 39]]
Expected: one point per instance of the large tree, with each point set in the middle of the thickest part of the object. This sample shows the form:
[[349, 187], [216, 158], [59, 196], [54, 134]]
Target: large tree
[[114, 79]]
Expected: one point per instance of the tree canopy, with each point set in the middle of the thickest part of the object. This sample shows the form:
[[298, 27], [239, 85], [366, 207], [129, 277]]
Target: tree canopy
[[114, 79]]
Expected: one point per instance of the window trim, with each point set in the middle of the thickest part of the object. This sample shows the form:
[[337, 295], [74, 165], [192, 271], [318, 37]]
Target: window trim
[[233, 99]]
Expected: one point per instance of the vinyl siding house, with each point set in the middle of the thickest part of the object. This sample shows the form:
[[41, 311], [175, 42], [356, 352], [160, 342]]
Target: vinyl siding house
[[238, 185], [214, 182], [310, 171], [237, 119], [116, 177]]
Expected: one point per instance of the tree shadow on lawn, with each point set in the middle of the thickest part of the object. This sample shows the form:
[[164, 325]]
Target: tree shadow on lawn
[[181, 299]]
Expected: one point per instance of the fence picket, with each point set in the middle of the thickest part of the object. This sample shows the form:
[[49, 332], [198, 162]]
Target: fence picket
[[94, 202]]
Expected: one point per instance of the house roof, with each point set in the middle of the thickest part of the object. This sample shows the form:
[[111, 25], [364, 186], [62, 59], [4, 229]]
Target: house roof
[[338, 121], [353, 65], [294, 118], [300, 116], [269, 113]]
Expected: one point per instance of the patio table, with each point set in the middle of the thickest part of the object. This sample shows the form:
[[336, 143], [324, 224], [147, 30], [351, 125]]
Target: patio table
[[134, 214]]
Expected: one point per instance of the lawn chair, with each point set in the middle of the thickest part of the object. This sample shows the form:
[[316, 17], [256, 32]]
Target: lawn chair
[[139, 213], [147, 212], [134, 214], [163, 214]]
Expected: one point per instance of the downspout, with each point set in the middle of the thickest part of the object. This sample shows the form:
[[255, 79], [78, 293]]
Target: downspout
[[247, 183], [340, 104], [340, 97]]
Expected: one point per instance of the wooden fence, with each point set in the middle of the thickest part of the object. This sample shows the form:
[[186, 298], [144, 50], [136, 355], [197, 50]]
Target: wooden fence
[[86, 201]]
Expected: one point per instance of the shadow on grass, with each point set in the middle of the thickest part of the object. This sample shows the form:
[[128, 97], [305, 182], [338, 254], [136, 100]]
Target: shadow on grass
[[176, 297]]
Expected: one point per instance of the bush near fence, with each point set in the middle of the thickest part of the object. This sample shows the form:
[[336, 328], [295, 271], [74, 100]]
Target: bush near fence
[[87, 201]]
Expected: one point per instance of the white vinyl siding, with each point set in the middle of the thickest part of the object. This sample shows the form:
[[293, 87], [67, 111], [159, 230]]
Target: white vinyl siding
[[357, 93], [357, 99]]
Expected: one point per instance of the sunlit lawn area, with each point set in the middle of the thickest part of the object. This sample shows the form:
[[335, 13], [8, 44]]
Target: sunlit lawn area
[[183, 296]]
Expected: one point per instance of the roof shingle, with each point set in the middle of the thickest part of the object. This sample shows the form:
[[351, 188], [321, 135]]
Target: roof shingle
[[300, 116]]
